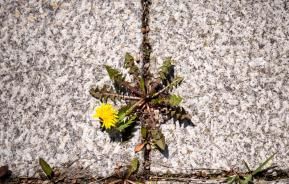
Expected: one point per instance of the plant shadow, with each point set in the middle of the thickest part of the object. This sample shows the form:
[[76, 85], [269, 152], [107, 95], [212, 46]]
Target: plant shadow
[[126, 135], [165, 152], [185, 122]]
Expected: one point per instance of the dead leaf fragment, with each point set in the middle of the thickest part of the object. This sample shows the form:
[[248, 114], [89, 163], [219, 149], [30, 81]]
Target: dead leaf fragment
[[139, 147]]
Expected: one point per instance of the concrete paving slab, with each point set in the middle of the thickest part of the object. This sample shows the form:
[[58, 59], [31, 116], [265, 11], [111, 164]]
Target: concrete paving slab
[[234, 57], [51, 53]]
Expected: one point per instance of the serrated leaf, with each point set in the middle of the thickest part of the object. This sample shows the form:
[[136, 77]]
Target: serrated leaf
[[175, 100], [177, 112], [113, 73], [121, 86], [122, 112], [127, 122], [176, 82], [104, 93], [46, 168], [133, 167], [139, 147], [131, 66], [144, 132], [166, 72], [171, 100]]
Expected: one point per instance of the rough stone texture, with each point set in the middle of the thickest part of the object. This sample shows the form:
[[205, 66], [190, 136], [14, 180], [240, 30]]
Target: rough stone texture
[[234, 57], [51, 52]]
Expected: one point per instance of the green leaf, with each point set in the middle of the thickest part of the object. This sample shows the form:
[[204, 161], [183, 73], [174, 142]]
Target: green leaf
[[159, 139], [144, 132], [161, 143], [171, 100], [105, 93], [127, 122], [46, 168], [156, 134], [128, 59], [247, 179], [142, 85], [133, 167], [166, 72], [232, 179], [261, 166], [122, 112], [130, 65], [121, 86], [176, 82], [175, 100], [114, 74], [177, 113]]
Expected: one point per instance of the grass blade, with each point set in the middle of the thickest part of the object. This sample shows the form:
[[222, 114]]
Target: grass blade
[[260, 168]]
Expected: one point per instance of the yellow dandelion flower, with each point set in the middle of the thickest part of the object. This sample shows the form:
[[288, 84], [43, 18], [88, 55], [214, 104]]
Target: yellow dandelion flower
[[107, 115]]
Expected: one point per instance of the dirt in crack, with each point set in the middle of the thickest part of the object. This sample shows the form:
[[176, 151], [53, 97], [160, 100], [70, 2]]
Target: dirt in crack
[[146, 50]]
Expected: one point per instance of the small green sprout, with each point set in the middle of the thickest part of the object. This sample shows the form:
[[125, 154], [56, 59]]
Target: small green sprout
[[249, 177]]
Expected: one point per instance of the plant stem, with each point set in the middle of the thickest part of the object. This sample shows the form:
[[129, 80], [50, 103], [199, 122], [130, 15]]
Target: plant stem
[[139, 103]]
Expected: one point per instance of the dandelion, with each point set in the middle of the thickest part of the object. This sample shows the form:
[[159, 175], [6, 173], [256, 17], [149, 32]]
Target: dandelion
[[107, 115]]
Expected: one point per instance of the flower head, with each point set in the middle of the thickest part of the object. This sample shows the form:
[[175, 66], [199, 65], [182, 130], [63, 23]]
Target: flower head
[[107, 115]]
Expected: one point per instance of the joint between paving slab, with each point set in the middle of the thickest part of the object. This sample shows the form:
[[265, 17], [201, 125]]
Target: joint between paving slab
[[146, 50]]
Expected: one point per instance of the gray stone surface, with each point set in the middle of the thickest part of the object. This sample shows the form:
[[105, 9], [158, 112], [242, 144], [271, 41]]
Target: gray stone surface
[[234, 56], [51, 52]]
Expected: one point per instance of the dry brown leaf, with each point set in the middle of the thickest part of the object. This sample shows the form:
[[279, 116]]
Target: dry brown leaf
[[139, 147]]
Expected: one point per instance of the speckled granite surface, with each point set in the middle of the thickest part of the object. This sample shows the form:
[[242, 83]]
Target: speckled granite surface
[[51, 52], [233, 55]]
